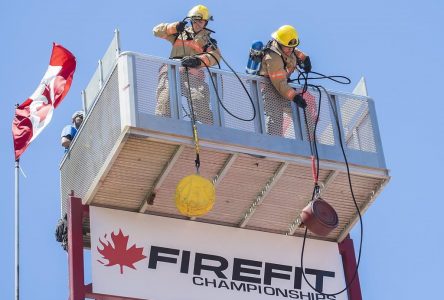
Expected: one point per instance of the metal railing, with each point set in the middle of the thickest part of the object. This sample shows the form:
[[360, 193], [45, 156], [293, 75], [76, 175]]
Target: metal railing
[[103, 71], [160, 80]]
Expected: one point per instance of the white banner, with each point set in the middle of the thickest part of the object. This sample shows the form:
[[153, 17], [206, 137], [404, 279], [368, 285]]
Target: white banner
[[157, 258]]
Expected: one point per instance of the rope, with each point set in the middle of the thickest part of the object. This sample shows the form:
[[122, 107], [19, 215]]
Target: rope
[[315, 170], [217, 93]]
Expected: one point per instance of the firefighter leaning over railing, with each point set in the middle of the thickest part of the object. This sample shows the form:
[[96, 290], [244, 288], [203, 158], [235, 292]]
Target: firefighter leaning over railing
[[194, 46], [279, 61]]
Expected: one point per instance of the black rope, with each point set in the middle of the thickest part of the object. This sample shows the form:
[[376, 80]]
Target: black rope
[[322, 76], [316, 188], [217, 93]]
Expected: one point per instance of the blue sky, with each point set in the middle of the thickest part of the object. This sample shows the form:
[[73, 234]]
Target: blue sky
[[397, 45]]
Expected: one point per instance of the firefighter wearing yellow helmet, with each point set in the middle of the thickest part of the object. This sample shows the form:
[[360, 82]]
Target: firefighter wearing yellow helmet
[[280, 60], [196, 49]]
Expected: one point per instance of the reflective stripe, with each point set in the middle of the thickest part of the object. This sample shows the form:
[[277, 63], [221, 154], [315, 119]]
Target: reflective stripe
[[277, 75], [190, 44]]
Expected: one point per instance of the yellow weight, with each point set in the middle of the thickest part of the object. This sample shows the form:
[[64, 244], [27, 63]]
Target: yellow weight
[[195, 196]]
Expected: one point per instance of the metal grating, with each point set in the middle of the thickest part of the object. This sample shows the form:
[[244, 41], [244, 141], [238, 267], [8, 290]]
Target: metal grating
[[133, 175], [141, 161], [92, 89], [211, 163], [287, 198], [277, 109], [102, 72], [357, 126], [282, 118], [236, 101], [109, 58], [79, 170], [240, 188], [324, 128], [196, 82], [361, 137], [152, 83]]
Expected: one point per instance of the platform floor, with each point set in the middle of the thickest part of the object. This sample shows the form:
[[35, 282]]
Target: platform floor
[[144, 172]]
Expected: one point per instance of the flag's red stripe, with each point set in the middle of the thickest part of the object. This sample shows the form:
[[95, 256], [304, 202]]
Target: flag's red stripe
[[21, 128], [62, 57]]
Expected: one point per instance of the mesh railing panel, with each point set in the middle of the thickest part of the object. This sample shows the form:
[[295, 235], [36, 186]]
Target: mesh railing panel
[[278, 114], [103, 69], [324, 128], [97, 137], [361, 137], [197, 82], [153, 94], [356, 124], [152, 83], [236, 101], [92, 89], [110, 57]]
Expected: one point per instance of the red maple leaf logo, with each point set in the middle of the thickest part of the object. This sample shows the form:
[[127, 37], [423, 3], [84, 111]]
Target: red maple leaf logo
[[119, 255]]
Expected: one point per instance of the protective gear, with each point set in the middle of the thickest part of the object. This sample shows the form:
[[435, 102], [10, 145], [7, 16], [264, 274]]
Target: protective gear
[[200, 12], [181, 26], [194, 86], [287, 36], [78, 113], [255, 58], [300, 101], [306, 64], [278, 67], [189, 43], [190, 62]]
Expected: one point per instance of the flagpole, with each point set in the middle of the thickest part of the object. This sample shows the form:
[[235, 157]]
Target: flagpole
[[16, 228]]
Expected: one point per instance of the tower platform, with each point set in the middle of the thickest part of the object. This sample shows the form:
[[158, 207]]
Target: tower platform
[[126, 157]]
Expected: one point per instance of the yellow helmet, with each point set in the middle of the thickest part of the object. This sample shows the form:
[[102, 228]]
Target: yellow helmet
[[287, 36], [200, 12]]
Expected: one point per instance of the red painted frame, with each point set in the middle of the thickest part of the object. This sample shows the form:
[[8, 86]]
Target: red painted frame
[[79, 291], [77, 288], [347, 252]]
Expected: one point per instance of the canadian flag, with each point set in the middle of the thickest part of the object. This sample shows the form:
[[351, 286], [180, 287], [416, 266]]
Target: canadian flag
[[33, 115]]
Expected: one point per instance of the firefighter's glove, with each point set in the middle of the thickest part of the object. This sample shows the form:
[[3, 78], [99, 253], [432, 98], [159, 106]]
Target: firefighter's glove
[[190, 62], [300, 101], [181, 26], [306, 65]]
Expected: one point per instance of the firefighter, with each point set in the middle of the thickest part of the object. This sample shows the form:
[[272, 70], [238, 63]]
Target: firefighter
[[280, 60], [196, 49]]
